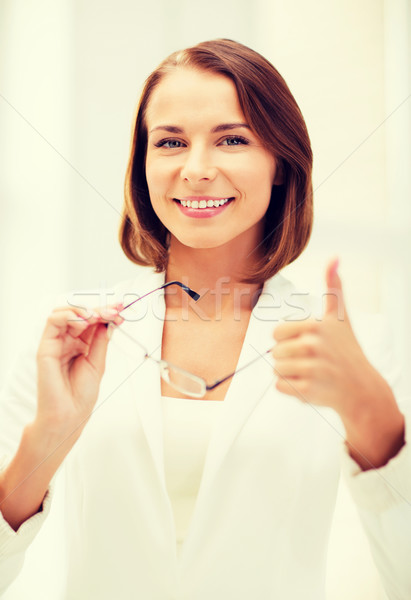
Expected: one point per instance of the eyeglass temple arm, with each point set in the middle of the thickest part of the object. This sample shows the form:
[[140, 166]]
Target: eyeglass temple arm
[[185, 288], [216, 383]]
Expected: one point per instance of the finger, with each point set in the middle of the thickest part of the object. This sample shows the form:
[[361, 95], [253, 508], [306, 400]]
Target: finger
[[77, 347], [88, 334], [296, 387], [294, 367], [81, 347], [79, 313], [98, 348], [334, 304], [110, 313], [297, 347], [292, 329], [102, 313], [75, 322], [60, 321]]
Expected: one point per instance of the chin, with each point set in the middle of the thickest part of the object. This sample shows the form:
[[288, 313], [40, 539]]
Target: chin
[[201, 241], [202, 244]]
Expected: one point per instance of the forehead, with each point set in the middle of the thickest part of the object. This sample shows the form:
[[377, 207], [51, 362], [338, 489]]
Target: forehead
[[187, 95]]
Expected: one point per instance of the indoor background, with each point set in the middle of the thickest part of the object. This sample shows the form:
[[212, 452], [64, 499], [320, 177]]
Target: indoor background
[[70, 75]]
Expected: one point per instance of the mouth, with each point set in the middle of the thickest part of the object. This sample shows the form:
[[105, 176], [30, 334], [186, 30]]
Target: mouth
[[202, 204]]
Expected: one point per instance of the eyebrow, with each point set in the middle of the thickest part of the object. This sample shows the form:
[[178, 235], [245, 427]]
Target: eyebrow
[[222, 127]]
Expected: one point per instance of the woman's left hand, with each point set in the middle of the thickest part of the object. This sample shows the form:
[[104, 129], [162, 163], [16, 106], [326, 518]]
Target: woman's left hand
[[321, 362]]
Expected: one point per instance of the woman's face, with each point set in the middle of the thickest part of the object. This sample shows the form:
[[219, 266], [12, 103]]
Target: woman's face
[[208, 175]]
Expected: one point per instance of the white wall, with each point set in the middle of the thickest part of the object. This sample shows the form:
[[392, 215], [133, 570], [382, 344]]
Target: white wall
[[71, 73], [35, 88], [70, 76]]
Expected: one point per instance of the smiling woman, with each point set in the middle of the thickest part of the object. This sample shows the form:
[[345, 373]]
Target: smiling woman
[[216, 99], [202, 438]]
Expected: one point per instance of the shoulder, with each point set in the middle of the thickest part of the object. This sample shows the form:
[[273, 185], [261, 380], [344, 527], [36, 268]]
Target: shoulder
[[287, 301]]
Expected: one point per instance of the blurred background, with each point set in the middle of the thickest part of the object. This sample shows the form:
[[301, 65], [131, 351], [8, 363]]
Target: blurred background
[[70, 76]]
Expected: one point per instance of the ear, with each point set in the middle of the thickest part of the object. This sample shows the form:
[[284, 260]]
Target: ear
[[279, 172]]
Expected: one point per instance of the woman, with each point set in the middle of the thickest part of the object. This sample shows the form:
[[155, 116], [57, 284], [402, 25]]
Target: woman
[[169, 496]]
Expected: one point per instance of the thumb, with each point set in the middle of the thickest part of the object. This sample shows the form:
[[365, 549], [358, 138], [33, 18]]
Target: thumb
[[334, 304], [98, 348]]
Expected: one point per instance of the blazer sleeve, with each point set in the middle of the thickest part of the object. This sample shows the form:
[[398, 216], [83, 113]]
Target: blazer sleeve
[[13, 544], [383, 496], [383, 500], [18, 400]]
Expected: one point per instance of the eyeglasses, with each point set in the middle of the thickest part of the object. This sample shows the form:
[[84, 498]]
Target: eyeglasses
[[181, 380]]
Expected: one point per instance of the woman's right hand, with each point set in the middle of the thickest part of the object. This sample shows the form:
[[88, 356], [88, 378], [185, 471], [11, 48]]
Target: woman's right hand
[[70, 364]]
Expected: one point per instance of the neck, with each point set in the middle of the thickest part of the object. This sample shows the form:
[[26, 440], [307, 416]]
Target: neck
[[216, 274]]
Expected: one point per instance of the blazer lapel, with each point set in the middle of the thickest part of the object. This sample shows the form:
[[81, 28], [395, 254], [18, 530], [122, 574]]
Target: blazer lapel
[[144, 322], [250, 386]]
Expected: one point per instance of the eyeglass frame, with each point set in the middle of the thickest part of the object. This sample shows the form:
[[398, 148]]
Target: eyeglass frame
[[164, 364]]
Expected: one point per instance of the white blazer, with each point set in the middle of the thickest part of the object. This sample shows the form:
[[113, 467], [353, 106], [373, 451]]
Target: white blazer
[[262, 518]]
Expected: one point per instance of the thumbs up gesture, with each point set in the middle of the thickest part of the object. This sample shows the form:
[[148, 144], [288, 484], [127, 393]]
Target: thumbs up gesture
[[321, 362]]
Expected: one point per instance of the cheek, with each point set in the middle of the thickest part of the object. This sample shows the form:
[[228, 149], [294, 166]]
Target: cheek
[[154, 180], [256, 182], [157, 176], [156, 188], [258, 172]]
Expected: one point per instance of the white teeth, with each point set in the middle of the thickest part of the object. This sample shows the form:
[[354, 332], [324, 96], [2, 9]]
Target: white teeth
[[204, 203]]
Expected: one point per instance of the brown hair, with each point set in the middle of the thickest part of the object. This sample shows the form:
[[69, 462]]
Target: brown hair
[[274, 116]]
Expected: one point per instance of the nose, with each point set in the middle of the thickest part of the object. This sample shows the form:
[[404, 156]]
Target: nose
[[198, 166]]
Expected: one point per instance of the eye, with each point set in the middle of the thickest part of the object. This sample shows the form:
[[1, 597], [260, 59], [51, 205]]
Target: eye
[[172, 144], [235, 140]]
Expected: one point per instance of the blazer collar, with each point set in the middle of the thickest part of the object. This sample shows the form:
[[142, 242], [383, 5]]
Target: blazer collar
[[248, 387], [144, 323]]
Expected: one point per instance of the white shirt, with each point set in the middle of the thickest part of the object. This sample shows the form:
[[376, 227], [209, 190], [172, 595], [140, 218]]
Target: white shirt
[[187, 427]]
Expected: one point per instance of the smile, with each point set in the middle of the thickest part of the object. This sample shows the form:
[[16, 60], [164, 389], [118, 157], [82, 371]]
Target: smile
[[203, 207], [201, 204]]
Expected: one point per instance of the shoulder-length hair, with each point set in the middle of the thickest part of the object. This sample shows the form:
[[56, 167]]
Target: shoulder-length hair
[[274, 117]]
